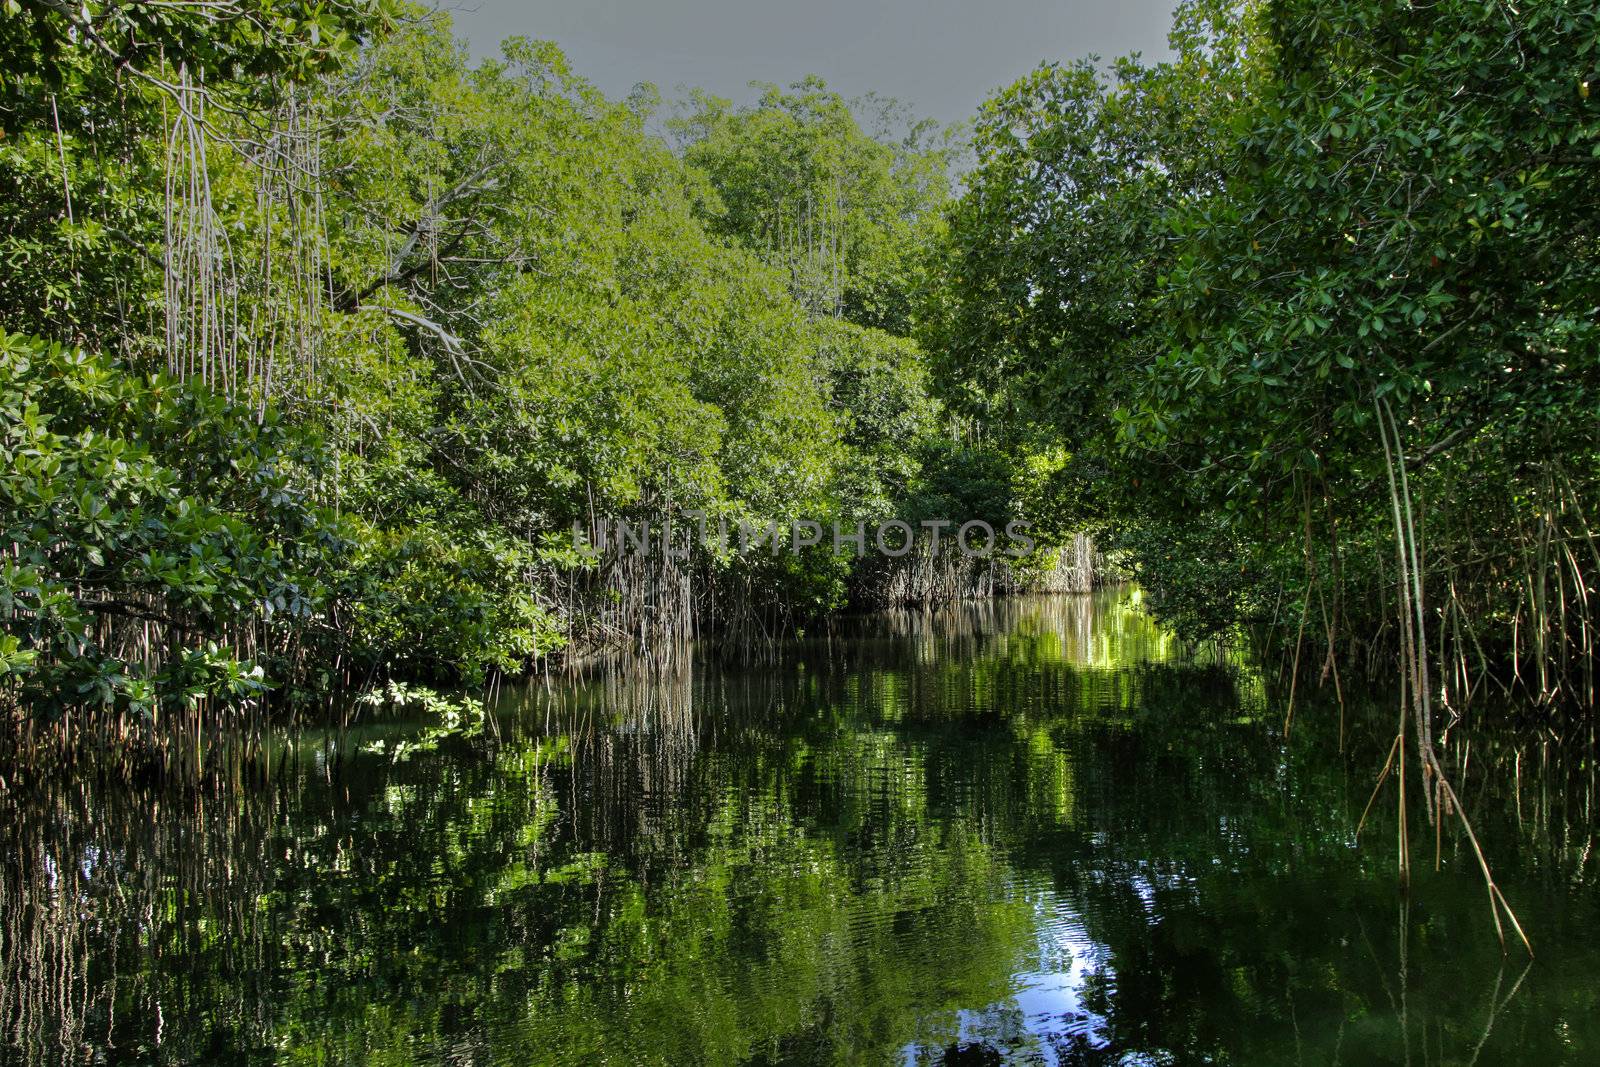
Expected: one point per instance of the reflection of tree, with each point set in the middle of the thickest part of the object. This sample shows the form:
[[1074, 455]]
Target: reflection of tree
[[1101, 630], [101, 889], [838, 860], [437, 899]]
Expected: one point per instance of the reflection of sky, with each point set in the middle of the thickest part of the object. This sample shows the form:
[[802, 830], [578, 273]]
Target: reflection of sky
[[1044, 1021]]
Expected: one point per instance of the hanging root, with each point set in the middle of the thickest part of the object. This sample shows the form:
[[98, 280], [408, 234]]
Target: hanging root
[[1415, 678], [1497, 899]]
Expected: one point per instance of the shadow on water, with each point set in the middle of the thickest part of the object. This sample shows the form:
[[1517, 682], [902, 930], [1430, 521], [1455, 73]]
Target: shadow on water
[[1029, 831]]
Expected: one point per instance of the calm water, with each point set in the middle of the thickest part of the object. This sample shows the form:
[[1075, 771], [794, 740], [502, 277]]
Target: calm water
[[1021, 832]]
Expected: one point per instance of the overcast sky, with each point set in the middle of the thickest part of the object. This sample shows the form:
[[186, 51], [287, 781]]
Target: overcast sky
[[942, 57]]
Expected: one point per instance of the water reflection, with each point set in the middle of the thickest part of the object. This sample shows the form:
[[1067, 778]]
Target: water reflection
[[1020, 831]]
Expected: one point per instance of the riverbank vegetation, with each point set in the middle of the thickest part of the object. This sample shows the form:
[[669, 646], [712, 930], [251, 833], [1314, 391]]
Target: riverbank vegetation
[[321, 340], [1312, 305]]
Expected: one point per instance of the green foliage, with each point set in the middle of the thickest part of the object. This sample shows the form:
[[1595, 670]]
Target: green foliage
[[90, 91], [878, 390], [1407, 224], [799, 181], [443, 603], [128, 500], [1204, 277], [588, 348], [500, 306], [234, 44], [1406, 221]]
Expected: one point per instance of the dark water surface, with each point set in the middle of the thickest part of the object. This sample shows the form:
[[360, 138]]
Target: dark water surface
[[1017, 832]]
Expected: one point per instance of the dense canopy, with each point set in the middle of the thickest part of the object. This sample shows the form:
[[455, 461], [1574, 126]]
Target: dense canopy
[[325, 348]]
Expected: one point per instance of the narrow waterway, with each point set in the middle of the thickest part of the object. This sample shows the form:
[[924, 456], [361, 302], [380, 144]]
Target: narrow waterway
[[1012, 832]]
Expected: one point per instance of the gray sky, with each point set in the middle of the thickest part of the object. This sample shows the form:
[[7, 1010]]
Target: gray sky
[[942, 57]]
